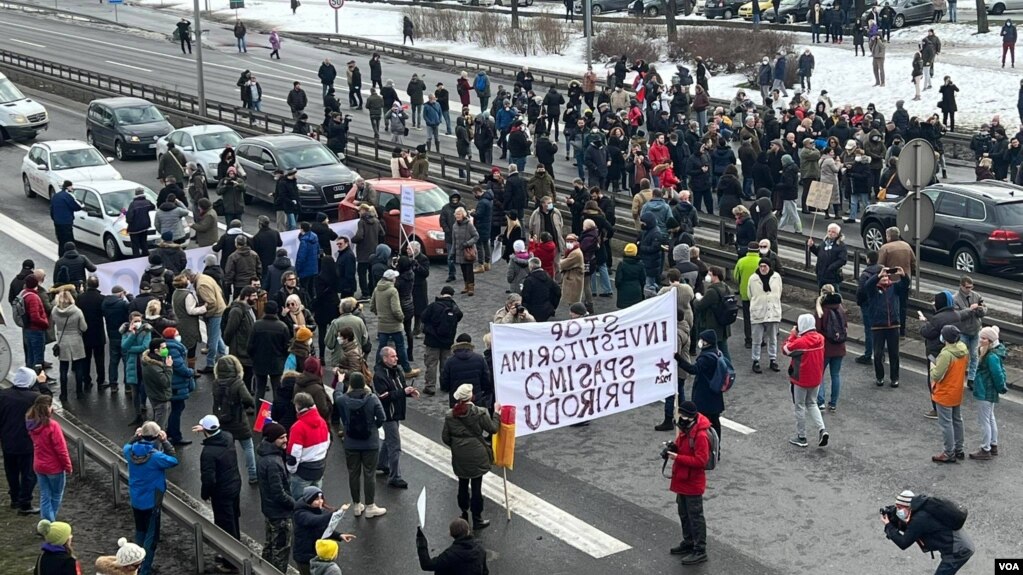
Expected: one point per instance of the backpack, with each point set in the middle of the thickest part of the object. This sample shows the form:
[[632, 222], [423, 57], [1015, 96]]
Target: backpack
[[19, 308], [715, 447], [949, 513], [834, 327], [223, 407], [481, 83], [447, 326], [357, 427], [724, 375], [63, 276], [728, 310]]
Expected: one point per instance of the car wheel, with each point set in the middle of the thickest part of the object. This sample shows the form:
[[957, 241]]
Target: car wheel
[[118, 150], [873, 236], [50, 191], [964, 259], [900, 20], [727, 15], [596, 10], [28, 187], [998, 9], [652, 11], [3, 136], [110, 248]]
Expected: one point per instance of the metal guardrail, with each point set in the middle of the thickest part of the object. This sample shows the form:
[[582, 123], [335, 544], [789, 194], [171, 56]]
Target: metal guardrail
[[89, 446], [34, 8], [370, 155]]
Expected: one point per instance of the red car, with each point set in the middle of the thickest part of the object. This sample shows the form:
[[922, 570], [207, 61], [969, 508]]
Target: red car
[[429, 201]]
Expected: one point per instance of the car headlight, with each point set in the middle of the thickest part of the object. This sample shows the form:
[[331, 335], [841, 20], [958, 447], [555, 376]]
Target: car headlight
[[212, 168], [435, 235], [20, 119], [306, 188], [134, 139], [124, 232]]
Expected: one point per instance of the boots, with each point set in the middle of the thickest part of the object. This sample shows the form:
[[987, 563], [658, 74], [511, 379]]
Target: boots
[[478, 269], [469, 289], [665, 425], [486, 266], [465, 289], [191, 363]]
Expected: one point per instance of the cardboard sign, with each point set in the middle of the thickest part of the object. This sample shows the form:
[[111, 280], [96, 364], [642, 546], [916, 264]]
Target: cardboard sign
[[819, 196]]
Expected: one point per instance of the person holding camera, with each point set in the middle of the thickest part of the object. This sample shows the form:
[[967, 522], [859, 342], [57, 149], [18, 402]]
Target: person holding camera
[[689, 455], [922, 520], [885, 292]]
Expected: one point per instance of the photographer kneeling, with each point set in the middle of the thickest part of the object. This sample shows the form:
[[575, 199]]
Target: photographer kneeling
[[689, 454], [931, 524]]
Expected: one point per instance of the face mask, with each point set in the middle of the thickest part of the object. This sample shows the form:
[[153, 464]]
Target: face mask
[[764, 251], [859, 158], [707, 278], [701, 344], [177, 338], [136, 325], [570, 245], [550, 207], [164, 352], [901, 514]]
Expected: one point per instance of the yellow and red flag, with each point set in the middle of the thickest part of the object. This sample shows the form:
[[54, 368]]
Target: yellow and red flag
[[504, 441]]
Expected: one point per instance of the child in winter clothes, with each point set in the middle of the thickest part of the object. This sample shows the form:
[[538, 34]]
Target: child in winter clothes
[[518, 267], [546, 250], [127, 561], [58, 557], [323, 563], [990, 383]]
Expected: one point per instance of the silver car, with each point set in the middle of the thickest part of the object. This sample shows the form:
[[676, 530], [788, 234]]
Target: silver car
[[202, 145]]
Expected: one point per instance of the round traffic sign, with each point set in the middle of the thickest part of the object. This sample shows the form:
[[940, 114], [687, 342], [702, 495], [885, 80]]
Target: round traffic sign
[[916, 164], [906, 217], [336, 4]]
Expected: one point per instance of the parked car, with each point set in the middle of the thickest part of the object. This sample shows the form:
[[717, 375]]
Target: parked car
[[202, 145], [101, 224], [47, 164], [791, 11], [128, 126], [323, 180], [908, 12], [476, 2], [429, 200], [997, 7], [21, 118], [746, 10], [724, 9], [654, 8], [977, 225], [598, 7]]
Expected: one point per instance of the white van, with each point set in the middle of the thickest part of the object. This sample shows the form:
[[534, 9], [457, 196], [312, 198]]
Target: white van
[[20, 118]]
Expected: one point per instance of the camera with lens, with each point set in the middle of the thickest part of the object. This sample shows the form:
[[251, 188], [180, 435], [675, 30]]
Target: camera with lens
[[519, 309], [890, 512], [668, 447]]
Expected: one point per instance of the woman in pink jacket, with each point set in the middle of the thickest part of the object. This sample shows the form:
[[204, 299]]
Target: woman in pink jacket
[[51, 459]]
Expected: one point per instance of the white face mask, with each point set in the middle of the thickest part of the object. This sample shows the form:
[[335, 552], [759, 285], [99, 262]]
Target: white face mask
[[707, 278], [765, 251], [136, 325], [570, 245], [701, 344], [177, 338]]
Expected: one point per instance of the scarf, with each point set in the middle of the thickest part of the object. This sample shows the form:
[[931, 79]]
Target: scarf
[[766, 280]]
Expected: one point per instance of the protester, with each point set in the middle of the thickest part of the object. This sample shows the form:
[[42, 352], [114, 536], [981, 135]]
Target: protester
[[689, 481], [50, 457], [275, 500]]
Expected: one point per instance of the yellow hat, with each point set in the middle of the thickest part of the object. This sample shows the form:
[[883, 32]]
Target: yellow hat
[[303, 334], [326, 549], [55, 533], [631, 250]]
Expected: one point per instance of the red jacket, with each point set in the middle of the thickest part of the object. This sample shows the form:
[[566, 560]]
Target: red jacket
[[688, 472], [659, 154], [36, 312], [308, 441], [547, 253], [807, 352], [668, 179], [50, 455]]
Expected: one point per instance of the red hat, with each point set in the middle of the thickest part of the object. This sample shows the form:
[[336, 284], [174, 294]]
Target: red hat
[[170, 333], [495, 170]]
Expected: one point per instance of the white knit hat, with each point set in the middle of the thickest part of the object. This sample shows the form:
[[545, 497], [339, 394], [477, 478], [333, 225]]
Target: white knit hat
[[989, 333], [464, 392], [905, 498], [129, 553]]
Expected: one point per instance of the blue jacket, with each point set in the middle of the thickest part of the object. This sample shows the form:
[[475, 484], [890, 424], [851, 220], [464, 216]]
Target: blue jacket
[[484, 214], [884, 304], [182, 378], [146, 472], [651, 239], [133, 346], [307, 261], [708, 401], [432, 114], [346, 271], [661, 211], [63, 207], [779, 68], [504, 118]]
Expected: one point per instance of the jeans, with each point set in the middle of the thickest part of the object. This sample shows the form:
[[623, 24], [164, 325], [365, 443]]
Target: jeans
[[600, 280], [399, 346], [432, 133], [434, 358], [952, 16], [241, 45], [215, 342], [51, 492], [520, 163], [390, 451], [971, 341], [486, 250], [835, 365], [857, 203], [298, 485], [886, 338], [790, 215], [767, 331], [362, 466], [21, 479], [927, 77], [950, 420], [36, 341], [277, 547], [694, 526], [805, 399], [177, 407], [161, 412], [147, 535], [250, 456], [446, 114], [652, 283], [470, 495], [701, 117], [256, 105], [747, 189], [987, 424], [951, 564]]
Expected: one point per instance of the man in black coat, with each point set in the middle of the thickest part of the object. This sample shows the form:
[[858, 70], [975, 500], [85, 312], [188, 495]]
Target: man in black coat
[[831, 256], [115, 308], [265, 244], [440, 324], [71, 267], [268, 348], [346, 267], [95, 336], [18, 283], [515, 192], [465, 555], [221, 481], [467, 366], [540, 295], [390, 386], [14, 438], [275, 499], [297, 100]]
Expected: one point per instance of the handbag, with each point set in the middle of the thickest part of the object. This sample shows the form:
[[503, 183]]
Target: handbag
[[56, 346], [469, 254], [882, 193]]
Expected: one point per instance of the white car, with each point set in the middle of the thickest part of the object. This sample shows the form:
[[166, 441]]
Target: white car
[[48, 164], [101, 224], [201, 144], [998, 7]]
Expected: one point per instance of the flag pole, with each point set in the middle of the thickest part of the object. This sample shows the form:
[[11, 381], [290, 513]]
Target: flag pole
[[507, 504]]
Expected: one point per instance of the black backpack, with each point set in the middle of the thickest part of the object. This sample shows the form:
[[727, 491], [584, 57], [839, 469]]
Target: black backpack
[[357, 427], [834, 328], [19, 308], [728, 310], [446, 327], [949, 513], [223, 407]]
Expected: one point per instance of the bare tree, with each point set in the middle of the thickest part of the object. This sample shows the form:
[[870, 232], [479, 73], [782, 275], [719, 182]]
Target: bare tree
[[670, 21], [515, 14], [982, 18]]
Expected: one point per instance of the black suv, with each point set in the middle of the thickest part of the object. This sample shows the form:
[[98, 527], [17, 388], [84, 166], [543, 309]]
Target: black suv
[[323, 180], [977, 225]]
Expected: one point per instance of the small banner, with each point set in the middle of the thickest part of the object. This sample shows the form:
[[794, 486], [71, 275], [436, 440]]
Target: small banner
[[504, 441]]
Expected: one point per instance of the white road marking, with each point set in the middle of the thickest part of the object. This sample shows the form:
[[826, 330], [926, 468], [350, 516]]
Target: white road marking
[[27, 43], [29, 238], [735, 426], [22, 146], [544, 515], [128, 66], [265, 97]]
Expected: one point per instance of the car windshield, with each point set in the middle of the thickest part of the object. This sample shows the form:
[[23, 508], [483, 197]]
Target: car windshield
[[116, 202], [82, 158], [309, 156], [9, 92], [137, 115], [215, 140], [430, 201]]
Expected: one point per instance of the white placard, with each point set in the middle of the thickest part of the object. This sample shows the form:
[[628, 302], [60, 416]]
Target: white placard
[[408, 206], [421, 507], [565, 372]]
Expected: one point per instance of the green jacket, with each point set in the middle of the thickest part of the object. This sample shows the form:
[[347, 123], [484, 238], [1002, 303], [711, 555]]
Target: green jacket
[[420, 167], [744, 270], [375, 105], [387, 306], [704, 308], [629, 280], [990, 380], [156, 377], [471, 454], [232, 193]]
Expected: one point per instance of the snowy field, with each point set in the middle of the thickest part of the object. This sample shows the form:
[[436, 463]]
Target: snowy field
[[972, 61]]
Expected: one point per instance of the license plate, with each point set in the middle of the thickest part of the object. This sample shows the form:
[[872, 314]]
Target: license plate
[[339, 196], [152, 146]]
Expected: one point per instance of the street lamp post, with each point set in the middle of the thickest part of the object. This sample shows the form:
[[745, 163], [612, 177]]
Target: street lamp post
[[198, 60]]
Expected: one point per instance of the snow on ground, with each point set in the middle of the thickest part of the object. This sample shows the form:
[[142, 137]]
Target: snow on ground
[[972, 61]]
